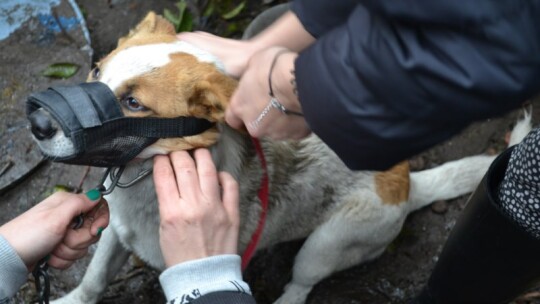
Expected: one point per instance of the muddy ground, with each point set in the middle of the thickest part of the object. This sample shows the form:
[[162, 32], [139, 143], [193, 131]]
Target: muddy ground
[[392, 278]]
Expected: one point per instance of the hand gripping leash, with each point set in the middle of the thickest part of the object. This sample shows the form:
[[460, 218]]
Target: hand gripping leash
[[40, 274]]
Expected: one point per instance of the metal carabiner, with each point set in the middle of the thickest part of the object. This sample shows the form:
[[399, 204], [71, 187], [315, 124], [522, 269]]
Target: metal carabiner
[[114, 174]]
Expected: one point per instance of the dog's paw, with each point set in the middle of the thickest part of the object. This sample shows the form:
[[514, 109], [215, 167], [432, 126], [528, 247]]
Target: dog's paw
[[294, 294]]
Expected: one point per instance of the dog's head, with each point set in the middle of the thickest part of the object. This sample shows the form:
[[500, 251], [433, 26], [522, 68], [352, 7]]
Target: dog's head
[[152, 75]]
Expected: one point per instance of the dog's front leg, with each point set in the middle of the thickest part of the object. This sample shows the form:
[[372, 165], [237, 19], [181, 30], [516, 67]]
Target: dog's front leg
[[107, 261]]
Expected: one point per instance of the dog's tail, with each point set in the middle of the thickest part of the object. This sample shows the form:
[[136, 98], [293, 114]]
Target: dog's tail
[[459, 177]]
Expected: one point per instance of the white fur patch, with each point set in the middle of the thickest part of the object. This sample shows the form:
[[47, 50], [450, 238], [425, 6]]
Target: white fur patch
[[151, 151], [138, 60]]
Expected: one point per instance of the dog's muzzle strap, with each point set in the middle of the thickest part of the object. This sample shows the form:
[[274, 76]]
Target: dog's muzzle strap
[[80, 104], [162, 127]]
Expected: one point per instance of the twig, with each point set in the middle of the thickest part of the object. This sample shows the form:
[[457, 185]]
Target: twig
[[5, 167], [129, 275], [83, 178]]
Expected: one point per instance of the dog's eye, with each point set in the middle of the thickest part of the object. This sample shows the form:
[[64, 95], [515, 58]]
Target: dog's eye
[[133, 104], [95, 73]]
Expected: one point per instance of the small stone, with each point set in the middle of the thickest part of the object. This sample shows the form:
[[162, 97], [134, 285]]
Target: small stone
[[491, 151], [417, 164], [439, 207]]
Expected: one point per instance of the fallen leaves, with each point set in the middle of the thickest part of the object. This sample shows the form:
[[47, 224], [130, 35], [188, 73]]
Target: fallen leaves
[[61, 70]]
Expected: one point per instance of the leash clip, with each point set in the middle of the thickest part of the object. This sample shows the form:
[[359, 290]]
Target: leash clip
[[114, 174]]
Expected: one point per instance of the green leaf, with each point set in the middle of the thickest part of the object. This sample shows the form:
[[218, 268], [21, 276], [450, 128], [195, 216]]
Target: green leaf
[[209, 9], [181, 7], [171, 17], [234, 12], [63, 188], [62, 70], [187, 23], [182, 20], [231, 28]]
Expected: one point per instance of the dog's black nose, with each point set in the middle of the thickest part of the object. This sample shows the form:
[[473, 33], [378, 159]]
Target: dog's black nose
[[41, 125]]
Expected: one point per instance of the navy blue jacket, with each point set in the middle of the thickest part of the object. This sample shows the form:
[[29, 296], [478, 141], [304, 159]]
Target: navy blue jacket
[[387, 79]]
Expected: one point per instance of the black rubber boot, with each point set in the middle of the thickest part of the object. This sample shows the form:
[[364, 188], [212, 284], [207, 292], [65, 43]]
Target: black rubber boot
[[487, 257]]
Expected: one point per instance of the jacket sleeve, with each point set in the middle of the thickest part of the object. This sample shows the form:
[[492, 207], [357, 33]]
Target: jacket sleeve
[[13, 272], [387, 88], [318, 16]]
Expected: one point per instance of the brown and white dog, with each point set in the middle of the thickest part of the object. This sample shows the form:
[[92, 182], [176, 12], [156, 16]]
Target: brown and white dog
[[348, 217]]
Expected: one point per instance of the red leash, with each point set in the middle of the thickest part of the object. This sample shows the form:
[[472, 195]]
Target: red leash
[[263, 196]]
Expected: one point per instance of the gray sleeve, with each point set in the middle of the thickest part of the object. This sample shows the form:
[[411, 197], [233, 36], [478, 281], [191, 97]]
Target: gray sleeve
[[191, 280], [13, 271]]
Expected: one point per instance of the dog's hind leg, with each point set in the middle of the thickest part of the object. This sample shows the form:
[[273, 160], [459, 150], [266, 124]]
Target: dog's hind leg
[[107, 261], [358, 232]]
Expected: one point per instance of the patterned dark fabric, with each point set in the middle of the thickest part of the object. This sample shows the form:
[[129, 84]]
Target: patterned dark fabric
[[519, 192]]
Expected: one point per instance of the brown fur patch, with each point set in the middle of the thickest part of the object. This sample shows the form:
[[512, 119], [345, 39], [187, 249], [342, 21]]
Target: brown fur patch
[[393, 185]]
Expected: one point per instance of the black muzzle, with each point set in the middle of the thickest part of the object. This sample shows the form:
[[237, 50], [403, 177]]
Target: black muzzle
[[90, 116]]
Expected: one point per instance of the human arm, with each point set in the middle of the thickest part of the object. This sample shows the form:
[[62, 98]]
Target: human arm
[[378, 90], [199, 224], [45, 230]]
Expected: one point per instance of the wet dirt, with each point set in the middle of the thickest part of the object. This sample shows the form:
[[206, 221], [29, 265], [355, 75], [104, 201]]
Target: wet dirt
[[396, 276]]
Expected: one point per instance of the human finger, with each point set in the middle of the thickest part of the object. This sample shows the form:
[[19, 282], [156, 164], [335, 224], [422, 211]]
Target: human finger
[[186, 175], [62, 251], [101, 216], [79, 238], [230, 196], [233, 54], [58, 263], [94, 222], [77, 204], [165, 183], [208, 176], [195, 37]]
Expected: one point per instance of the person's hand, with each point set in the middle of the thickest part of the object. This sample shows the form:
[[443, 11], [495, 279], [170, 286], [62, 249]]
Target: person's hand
[[45, 229], [287, 31], [250, 107], [234, 54], [198, 218]]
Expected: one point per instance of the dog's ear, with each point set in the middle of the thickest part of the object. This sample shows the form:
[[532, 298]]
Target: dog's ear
[[151, 24], [211, 97]]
